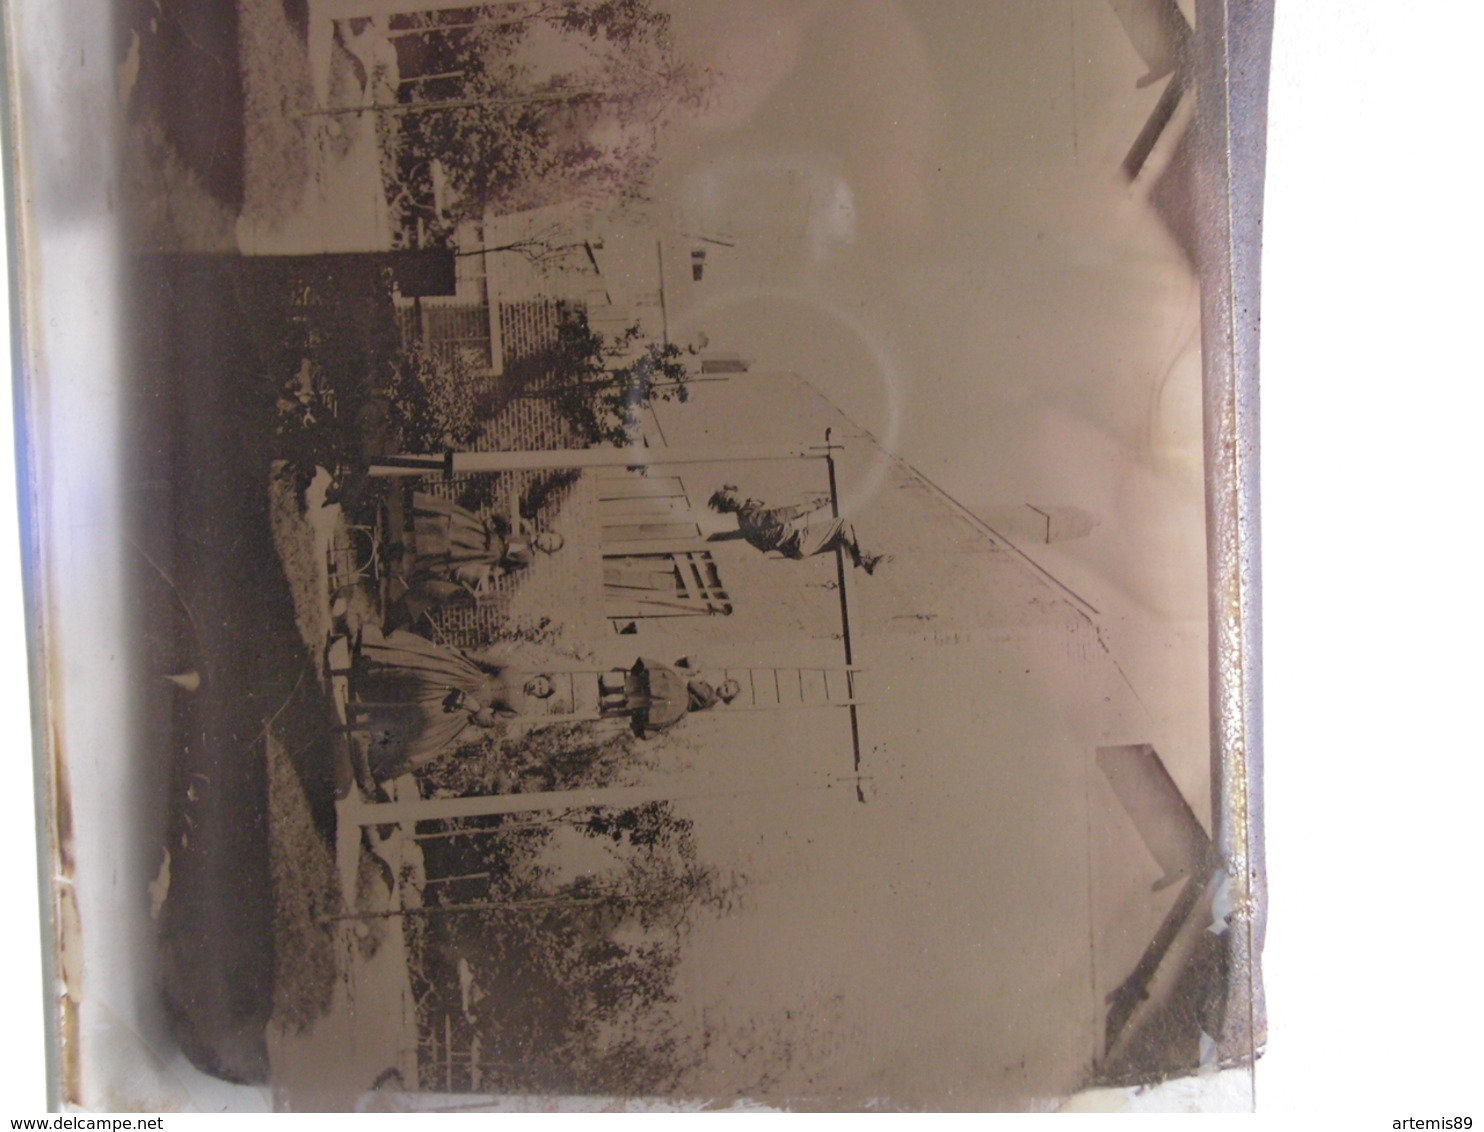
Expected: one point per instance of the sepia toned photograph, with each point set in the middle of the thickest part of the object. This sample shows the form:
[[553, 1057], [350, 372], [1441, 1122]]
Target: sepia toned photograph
[[655, 552]]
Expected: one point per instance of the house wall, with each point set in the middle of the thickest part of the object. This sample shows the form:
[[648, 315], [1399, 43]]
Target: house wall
[[1005, 887], [991, 879]]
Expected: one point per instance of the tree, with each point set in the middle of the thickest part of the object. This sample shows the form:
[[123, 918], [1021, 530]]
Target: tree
[[438, 399], [510, 132], [576, 975], [591, 973], [603, 385], [543, 248]]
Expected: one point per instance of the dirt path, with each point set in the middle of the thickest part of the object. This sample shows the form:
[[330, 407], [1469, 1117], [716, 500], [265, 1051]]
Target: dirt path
[[343, 1014], [312, 182]]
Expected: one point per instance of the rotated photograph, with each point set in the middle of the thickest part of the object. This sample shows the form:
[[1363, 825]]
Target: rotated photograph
[[663, 561]]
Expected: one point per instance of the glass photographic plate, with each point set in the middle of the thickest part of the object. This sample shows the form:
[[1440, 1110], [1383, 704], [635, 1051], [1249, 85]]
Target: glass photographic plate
[[644, 554]]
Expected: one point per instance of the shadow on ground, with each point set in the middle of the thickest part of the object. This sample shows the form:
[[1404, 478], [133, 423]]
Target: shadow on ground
[[210, 607]]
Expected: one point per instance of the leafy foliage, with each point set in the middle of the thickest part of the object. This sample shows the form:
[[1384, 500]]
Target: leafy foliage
[[438, 399], [603, 385], [566, 756], [648, 826], [511, 135], [307, 430], [575, 973]]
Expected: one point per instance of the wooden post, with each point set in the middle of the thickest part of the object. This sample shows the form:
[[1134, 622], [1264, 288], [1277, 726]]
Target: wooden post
[[357, 812], [599, 456], [456, 877], [841, 575], [659, 252], [441, 809], [537, 904], [351, 9], [399, 109], [448, 1051]]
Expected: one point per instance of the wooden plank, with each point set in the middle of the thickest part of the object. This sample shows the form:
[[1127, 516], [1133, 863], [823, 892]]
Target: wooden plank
[[660, 581], [673, 500], [731, 668], [645, 532], [637, 488], [642, 584], [788, 705], [621, 591], [653, 615], [641, 548], [678, 605], [643, 507]]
